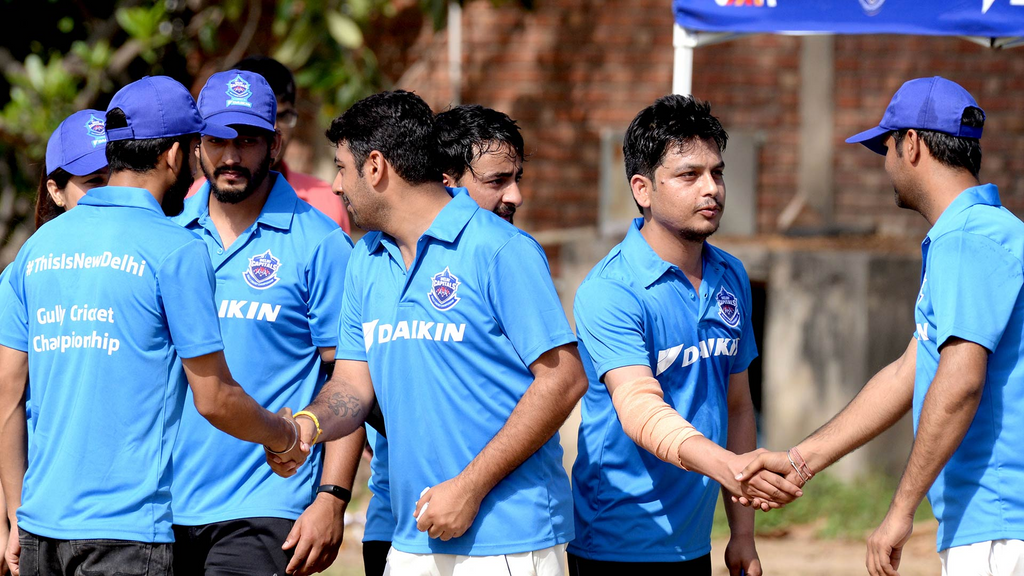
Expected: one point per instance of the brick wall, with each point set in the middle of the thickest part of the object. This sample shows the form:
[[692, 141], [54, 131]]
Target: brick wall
[[566, 70]]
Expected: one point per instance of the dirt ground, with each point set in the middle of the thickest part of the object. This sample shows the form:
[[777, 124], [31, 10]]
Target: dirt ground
[[799, 553], [795, 553]]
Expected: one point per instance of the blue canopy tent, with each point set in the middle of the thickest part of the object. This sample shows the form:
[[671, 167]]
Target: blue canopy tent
[[993, 23]]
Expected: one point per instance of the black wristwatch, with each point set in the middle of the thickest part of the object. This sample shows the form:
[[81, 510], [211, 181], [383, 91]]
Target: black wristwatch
[[338, 492]]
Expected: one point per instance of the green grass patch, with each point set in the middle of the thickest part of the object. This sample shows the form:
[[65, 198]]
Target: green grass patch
[[843, 509]]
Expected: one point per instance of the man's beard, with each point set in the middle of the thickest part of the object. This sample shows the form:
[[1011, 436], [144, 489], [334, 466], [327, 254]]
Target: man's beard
[[691, 235], [700, 235], [174, 199], [505, 210], [252, 181]]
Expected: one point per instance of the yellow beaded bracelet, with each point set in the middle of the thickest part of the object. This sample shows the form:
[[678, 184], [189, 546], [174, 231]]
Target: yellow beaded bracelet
[[316, 422]]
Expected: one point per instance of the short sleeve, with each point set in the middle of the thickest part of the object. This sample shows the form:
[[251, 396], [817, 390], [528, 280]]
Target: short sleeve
[[748, 346], [13, 312], [610, 323], [325, 277], [973, 286], [351, 344], [185, 286], [523, 298]]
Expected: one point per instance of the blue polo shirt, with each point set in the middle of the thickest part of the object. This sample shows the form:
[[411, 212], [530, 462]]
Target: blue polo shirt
[[380, 521], [279, 287], [108, 296], [449, 343], [971, 289], [635, 309]]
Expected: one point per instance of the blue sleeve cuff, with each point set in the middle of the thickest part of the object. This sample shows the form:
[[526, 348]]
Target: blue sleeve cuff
[[350, 354], [197, 350]]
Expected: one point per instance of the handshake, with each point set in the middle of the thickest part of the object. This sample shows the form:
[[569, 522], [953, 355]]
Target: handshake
[[766, 480], [286, 462]]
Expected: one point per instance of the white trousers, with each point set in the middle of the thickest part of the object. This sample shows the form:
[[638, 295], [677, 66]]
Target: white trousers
[[545, 562], [990, 558]]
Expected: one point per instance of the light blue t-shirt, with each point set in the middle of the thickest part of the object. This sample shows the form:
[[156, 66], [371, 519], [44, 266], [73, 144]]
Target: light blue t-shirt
[[109, 295], [8, 298], [279, 287], [971, 289], [449, 344], [380, 522], [635, 309]]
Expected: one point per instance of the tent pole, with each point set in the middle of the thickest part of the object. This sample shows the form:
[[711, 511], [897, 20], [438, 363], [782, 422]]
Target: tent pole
[[682, 64]]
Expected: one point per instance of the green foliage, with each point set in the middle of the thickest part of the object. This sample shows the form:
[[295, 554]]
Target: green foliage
[[840, 509], [78, 54]]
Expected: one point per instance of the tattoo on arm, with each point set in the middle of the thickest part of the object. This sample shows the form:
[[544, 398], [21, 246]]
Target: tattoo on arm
[[344, 404]]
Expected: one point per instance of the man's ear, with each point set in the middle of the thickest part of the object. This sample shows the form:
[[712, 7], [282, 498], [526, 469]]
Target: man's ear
[[275, 146], [641, 186], [375, 167], [449, 180], [912, 144]]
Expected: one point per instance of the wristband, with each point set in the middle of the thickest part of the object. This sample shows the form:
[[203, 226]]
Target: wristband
[[316, 422], [343, 494], [295, 439]]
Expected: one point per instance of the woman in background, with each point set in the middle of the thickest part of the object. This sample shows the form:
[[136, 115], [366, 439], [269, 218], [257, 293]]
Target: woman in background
[[76, 162]]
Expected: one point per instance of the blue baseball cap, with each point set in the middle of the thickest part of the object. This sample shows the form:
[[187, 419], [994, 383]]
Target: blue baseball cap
[[79, 144], [924, 104], [159, 107], [238, 97]]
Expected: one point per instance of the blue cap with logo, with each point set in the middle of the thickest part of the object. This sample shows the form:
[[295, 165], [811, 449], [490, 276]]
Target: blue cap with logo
[[79, 144], [238, 97], [159, 107], [924, 104]]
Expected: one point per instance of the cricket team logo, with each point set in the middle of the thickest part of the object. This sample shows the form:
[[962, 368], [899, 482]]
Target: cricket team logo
[[871, 7], [97, 129], [728, 307], [759, 3], [238, 92], [262, 271], [443, 287]]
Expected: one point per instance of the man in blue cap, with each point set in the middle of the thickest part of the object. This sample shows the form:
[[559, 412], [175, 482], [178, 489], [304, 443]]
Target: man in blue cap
[[280, 269], [105, 300], [962, 373]]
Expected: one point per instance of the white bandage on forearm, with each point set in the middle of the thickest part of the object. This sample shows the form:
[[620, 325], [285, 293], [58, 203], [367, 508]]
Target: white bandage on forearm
[[649, 421]]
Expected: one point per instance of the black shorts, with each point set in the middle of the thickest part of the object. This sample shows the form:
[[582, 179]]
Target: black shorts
[[696, 567], [41, 556], [375, 557], [248, 546]]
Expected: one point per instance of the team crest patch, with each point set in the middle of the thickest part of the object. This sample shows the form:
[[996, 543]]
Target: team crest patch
[[871, 7], [262, 271], [728, 308], [97, 129], [442, 290], [238, 92]]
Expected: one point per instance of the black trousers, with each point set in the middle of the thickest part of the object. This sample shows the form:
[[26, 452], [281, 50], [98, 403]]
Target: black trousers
[[583, 567], [248, 546], [41, 556]]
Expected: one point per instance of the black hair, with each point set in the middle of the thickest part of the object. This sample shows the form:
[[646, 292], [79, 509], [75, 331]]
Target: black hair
[[956, 152], [280, 78], [137, 155], [46, 208], [672, 120], [467, 132], [397, 124]]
